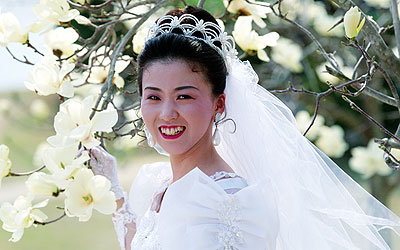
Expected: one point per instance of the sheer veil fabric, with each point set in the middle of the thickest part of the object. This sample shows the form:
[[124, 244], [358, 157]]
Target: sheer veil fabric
[[319, 205]]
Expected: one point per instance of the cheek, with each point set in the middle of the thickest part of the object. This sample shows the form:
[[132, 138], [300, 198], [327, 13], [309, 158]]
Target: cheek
[[200, 114], [147, 114]]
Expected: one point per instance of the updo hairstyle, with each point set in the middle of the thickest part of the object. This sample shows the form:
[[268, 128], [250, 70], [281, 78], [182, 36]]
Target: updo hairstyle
[[174, 46]]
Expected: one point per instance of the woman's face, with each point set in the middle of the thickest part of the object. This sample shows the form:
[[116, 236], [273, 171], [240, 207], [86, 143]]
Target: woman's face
[[178, 106]]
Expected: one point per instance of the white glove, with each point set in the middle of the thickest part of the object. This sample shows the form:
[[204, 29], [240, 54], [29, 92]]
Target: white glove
[[103, 163]]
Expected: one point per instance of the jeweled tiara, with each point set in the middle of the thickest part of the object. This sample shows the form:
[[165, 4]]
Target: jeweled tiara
[[212, 33]]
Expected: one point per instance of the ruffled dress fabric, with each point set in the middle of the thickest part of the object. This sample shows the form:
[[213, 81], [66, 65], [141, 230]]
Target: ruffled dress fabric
[[197, 212]]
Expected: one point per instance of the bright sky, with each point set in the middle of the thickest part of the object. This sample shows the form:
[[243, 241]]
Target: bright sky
[[13, 73]]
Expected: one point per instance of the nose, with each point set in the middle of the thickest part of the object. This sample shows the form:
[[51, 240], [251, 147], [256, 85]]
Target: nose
[[168, 111]]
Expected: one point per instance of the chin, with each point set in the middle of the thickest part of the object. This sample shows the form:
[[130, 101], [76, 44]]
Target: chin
[[176, 149]]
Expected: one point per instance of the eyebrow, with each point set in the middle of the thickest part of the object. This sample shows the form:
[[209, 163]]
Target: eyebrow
[[176, 89]]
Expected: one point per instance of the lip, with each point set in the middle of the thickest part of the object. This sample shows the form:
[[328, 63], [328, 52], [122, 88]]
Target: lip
[[171, 137]]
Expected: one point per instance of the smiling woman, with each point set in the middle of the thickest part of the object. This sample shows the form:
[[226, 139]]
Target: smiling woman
[[175, 98], [261, 186]]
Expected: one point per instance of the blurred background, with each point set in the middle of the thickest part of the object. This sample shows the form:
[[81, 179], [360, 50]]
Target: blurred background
[[26, 119]]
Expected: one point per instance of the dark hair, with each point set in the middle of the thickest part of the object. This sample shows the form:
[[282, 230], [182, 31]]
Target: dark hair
[[173, 46]]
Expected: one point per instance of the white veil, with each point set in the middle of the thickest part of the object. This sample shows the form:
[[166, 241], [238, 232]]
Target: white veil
[[319, 205]]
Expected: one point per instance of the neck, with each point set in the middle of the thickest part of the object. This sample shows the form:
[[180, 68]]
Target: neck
[[202, 155]]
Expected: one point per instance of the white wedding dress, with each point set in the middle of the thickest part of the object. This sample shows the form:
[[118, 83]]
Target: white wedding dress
[[200, 212]]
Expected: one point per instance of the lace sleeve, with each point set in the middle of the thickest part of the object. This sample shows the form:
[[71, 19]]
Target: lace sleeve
[[123, 217]]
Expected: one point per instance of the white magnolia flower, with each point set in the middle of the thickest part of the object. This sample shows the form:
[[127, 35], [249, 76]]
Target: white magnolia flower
[[20, 215], [100, 66], [294, 8], [368, 161], [82, 20], [39, 109], [5, 163], [352, 24], [48, 78], [55, 11], [249, 41], [257, 12], [63, 163], [303, 120], [331, 141], [37, 156], [139, 39], [140, 10], [385, 4], [87, 192], [72, 123], [40, 183], [314, 9], [60, 41], [89, 89], [288, 54], [10, 30], [324, 22]]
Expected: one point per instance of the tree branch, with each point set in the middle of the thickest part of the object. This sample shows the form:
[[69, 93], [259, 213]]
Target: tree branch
[[389, 62], [51, 221], [396, 22], [387, 143], [118, 51], [201, 3], [26, 173], [34, 48], [370, 118], [26, 61], [308, 33]]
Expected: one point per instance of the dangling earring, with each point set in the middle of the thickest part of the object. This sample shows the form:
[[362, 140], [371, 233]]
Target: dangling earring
[[216, 136], [153, 144], [149, 137]]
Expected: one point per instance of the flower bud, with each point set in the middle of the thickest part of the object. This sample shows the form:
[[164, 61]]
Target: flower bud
[[352, 24]]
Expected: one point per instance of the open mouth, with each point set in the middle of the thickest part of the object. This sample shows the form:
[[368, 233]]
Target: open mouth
[[172, 132]]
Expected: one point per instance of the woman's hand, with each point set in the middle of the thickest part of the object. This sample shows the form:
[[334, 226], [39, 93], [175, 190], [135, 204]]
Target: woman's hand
[[103, 163]]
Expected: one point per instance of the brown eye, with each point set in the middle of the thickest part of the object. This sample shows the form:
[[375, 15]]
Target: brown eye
[[153, 97], [181, 97]]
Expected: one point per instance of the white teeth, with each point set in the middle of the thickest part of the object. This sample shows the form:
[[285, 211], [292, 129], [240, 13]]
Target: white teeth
[[171, 131]]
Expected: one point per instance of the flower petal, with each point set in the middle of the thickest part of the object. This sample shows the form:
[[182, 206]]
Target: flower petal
[[98, 186], [81, 132], [69, 16], [262, 55], [119, 81], [90, 142], [107, 205], [82, 20], [17, 235], [105, 120], [41, 204], [60, 141], [270, 39]]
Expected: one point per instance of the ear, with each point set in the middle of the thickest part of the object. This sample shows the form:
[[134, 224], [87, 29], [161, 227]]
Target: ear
[[220, 104]]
